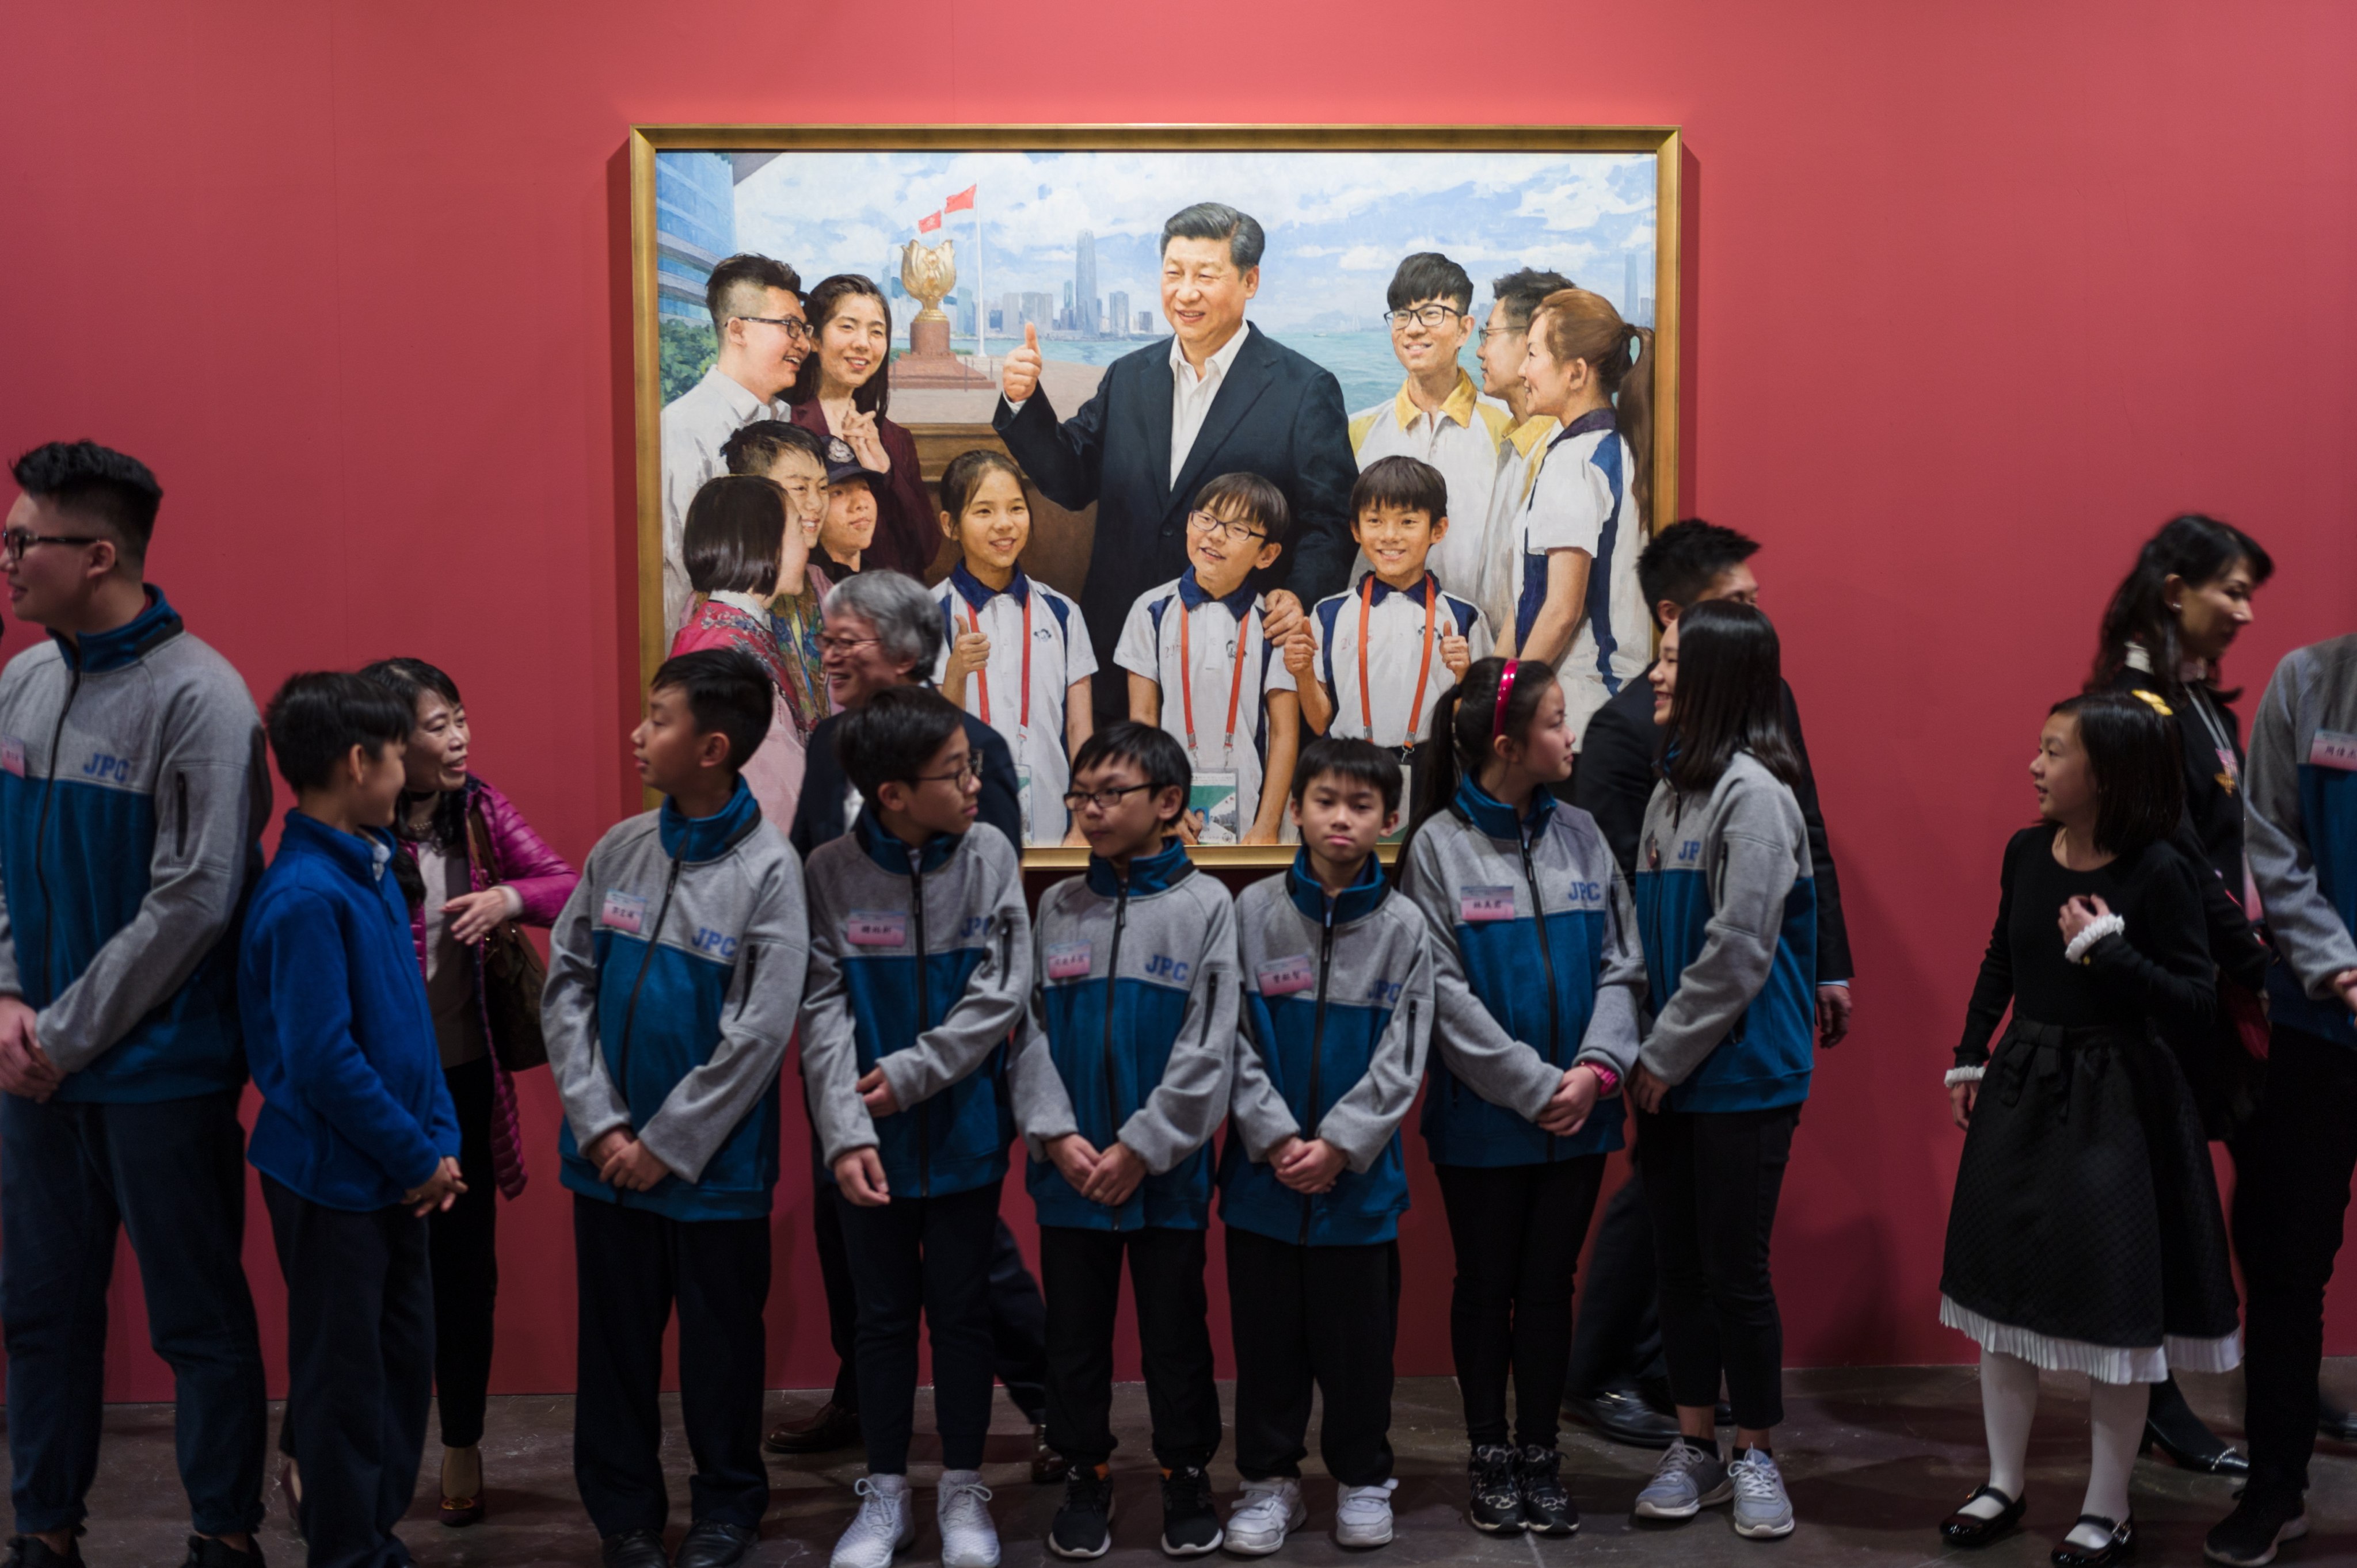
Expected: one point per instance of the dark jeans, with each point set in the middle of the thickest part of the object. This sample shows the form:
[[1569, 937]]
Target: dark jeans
[[360, 1367], [1616, 1339], [928, 1254], [1711, 1181], [1313, 1316], [634, 1266], [2290, 1202], [172, 1174], [1518, 1230], [1174, 1339], [465, 1242]]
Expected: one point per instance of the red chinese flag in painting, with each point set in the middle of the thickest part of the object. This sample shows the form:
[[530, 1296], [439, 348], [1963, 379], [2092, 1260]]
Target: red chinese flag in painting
[[927, 225], [963, 201]]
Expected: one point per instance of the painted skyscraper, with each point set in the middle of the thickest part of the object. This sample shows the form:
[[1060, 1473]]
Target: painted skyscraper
[[1086, 307]]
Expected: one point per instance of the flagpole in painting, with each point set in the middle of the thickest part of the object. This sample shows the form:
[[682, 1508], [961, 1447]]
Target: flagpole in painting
[[966, 200]]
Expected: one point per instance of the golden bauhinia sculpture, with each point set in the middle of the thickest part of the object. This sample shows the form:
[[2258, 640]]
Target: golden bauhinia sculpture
[[929, 272]]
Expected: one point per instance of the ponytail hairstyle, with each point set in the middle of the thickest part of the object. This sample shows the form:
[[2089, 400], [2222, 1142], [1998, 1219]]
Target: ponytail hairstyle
[[1467, 715], [407, 679], [1729, 697], [2197, 549], [1578, 324], [964, 476]]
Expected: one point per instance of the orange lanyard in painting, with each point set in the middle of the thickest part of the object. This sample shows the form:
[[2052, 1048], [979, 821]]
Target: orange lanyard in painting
[[1187, 684], [1022, 723], [1422, 670]]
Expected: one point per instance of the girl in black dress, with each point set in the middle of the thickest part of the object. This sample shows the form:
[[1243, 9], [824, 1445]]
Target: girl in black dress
[[2085, 1234]]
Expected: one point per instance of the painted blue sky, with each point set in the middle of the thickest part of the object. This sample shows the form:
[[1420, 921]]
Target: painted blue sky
[[1338, 224]]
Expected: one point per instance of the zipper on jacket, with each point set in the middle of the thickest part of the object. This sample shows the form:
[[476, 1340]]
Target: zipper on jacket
[[631, 1013], [1318, 1051], [180, 833], [924, 1011], [41, 834], [1546, 967], [1113, 976]]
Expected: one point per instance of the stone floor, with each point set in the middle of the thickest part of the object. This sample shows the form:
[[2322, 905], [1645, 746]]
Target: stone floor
[[1875, 1459]]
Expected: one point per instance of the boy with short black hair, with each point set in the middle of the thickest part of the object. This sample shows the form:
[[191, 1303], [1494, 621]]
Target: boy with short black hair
[[357, 1140], [1505, 341], [1120, 1083], [849, 526], [1201, 664], [674, 976], [921, 967], [1338, 1014]]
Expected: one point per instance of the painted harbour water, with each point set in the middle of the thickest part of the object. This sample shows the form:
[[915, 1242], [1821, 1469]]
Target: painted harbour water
[[1361, 362]]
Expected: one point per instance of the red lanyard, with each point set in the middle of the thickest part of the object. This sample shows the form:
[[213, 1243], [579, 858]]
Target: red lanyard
[[1416, 708], [974, 620], [1187, 682]]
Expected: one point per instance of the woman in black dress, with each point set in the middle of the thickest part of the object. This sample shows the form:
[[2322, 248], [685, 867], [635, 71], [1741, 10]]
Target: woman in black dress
[[2085, 1233]]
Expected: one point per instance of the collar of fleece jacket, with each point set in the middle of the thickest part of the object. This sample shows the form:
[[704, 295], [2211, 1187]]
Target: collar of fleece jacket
[[699, 839], [1355, 902], [1495, 819], [892, 854]]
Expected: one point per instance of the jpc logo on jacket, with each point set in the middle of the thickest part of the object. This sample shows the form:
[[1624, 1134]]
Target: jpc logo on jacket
[[1132, 1036], [1338, 1012], [1536, 969], [920, 965]]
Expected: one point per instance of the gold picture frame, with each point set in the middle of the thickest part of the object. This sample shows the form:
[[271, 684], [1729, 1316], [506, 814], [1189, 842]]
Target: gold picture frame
[[1662, 141]]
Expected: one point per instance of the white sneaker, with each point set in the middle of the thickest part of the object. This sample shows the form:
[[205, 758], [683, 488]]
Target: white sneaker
[[1265, 1515], [883, 1526], [1762, 1509], [969, 1540], [1363, 1516]]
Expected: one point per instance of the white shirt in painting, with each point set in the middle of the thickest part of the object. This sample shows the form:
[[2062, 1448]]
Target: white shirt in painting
[[1191, 395], [696, 425], [1462, 438], [1217, 632], [1060, 653], [1401, 688], [1520, 457], [1581, 500]]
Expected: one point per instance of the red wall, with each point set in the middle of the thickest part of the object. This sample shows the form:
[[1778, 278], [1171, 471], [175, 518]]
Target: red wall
[[1977, 296]]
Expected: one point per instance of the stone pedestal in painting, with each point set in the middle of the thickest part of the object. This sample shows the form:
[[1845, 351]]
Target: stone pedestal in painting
[[929, 272]]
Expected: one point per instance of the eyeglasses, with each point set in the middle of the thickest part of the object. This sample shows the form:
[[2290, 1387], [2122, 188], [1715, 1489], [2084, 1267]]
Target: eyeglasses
[[828, 643], [1234, 532], [971, 769], [1432, 317], [1078, 800], [796, 329], [1501, 331], [15, 541]]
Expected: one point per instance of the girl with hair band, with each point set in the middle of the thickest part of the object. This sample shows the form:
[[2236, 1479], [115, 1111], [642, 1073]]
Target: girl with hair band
[[2085, 1234], [1727, 910], [1577, 602], [844, 389], [2163, 637], [1537, 982]]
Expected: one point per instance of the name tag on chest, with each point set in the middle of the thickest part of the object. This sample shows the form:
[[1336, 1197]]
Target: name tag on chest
[[1478, 904], [1283, 976], [876, 928], [1068, 961], [623, 912], [12, 755], [2330, 748]]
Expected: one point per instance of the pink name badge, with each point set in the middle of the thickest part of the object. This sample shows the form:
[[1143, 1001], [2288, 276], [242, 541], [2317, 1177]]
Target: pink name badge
[[877, 927], [1485, 904], [1069, 960], [1283, 976], [623, 912], [12, 755], [2333, 748]]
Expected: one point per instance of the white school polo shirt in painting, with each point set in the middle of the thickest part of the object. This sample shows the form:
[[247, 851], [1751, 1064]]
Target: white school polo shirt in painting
[[695, 425], [1401, 687], [1520, 456], [1581, 502], [1462, 438], [1215, 632], [1056, 653]]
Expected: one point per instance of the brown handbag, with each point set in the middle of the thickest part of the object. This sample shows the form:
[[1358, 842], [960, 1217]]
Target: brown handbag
[[513, 974]]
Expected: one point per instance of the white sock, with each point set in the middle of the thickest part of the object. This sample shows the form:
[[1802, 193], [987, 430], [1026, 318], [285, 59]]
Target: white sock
[[2116, 1413], [2008, 1403]]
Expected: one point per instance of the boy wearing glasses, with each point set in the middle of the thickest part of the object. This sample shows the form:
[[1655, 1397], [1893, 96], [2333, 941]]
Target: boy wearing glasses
[[1201, 666], [920, 969], [1438, 416], [1119, 1084]]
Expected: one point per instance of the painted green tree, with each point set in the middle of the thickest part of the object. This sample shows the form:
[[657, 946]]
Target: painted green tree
[[688, 350]]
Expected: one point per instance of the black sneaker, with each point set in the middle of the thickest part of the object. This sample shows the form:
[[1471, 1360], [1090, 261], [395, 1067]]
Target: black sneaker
[[2248, 1537], [1190, 1526], [204, 1551], [1497, 1501], [1084, 1526], [32, 1552], [1547, 1507]]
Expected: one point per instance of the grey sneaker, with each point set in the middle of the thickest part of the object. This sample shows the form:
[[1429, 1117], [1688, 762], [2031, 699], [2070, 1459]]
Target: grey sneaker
[[883, 1526], [1265, 1515], [1363, 1516], [1686, 1482], [969, 1539], [1762, 1510]]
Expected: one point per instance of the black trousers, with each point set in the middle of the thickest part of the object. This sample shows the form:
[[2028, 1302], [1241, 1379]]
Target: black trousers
[[1712, 1179], [2290, 1202], [634, 1266], [172, 1174], [1304, 1316], [1517, 1230], [465, 1245], [360, 1367], [1174, 1340], [929, 1255], [1616, 1339]]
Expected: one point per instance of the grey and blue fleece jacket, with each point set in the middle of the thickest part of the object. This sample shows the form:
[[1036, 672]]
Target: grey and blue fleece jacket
[[2299, 827], [674, 973], [920, 965], [1535, 969], [133, 793], [1132, 1036], [1337, 1017], [1728, 913]]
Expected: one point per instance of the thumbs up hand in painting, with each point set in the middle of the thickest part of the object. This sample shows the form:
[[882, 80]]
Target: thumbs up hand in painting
[[1019, 377]]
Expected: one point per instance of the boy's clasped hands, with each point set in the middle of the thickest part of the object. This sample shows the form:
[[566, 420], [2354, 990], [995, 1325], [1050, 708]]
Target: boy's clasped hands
[[1107, 1176], [623, 1162]]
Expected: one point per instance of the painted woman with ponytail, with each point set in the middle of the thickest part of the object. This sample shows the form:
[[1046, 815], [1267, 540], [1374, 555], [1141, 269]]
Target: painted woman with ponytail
[[1577, 602]]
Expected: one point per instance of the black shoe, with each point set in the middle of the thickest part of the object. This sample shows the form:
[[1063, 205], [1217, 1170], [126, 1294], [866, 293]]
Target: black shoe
[[1624, 1415], [204, 1551], [2248, 1537], [2193, 1446], [2334, 1422], [634, 1549], [1047, 1467], [713, 1544], [1497, 1508], [1969, 1530], [32, 1552], [1547, 1507], [1190, 1525], [1084, 1526], [830, 1428], [2118, 1549]]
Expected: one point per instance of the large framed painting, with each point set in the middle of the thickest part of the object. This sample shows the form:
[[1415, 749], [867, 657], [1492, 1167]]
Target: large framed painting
[[1254, 432]]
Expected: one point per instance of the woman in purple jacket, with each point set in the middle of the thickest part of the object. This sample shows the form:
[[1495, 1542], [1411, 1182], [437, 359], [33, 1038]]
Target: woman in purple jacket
[[845, 390]]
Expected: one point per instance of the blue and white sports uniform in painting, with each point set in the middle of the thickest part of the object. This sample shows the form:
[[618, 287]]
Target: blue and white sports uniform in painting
[[1217, 628], [1061, 653], [1462, 438], [1582, 499], [1396, 631]]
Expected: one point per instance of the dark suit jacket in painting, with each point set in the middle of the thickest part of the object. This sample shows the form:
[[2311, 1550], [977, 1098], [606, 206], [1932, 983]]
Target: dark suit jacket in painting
[[1276, 414]]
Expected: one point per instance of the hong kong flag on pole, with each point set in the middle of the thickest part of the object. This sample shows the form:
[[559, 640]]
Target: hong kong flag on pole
[[927, 225], [963, 201]]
